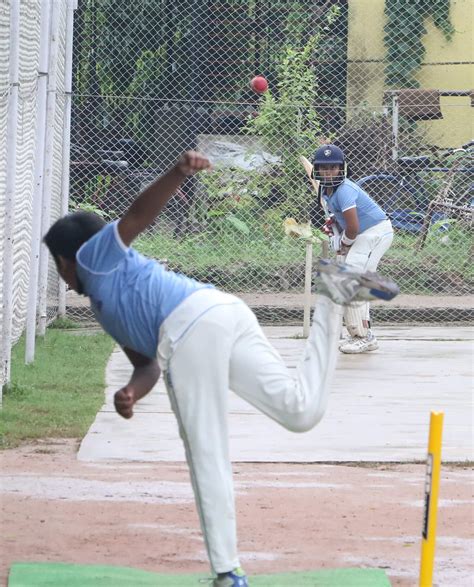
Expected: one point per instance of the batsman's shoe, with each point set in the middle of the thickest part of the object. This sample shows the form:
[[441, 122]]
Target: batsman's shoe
[[344, 284], [359, 344], [235, 578]]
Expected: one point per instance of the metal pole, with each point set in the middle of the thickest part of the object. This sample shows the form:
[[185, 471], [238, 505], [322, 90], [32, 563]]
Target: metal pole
[[38, 181], [66, 153], [307, 288], [325, 250], [10, 166], [395, 125], [433, 468], [48, 164]]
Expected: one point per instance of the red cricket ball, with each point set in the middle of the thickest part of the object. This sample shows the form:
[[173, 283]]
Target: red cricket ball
[[259, 84]]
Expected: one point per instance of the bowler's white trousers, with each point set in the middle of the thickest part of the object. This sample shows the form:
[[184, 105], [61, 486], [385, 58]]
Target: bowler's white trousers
[[211, 343]]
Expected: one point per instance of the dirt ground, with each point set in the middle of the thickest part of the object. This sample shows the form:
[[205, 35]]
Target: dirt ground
[[291, 516], [291, 300]]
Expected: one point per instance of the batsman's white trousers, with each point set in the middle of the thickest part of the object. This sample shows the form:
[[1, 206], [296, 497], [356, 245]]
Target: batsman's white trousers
[[202, 356], [368, 249]]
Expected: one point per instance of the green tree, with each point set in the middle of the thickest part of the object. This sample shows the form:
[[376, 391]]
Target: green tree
[[404, 30], [288, 123]]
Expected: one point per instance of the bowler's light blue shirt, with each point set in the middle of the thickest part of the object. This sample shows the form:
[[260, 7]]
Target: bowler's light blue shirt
[[130, 294], [350, 195]]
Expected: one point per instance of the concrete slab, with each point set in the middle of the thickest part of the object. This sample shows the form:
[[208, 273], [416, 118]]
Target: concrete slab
[[378, 411]]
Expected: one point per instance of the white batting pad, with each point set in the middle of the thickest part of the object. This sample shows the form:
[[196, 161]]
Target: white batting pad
[[354, 315]]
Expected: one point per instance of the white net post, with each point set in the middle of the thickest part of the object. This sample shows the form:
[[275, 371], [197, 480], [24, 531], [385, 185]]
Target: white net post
[[48, 173], [36, 235], [66, 143], [4, 98], [23, 89], [9, 202]]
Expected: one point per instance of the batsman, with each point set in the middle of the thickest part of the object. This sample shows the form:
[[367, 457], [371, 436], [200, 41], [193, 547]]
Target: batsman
[[362, 233]]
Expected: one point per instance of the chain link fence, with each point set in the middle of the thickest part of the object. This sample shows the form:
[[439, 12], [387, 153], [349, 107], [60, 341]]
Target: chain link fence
[[155, 78], [151, 79]]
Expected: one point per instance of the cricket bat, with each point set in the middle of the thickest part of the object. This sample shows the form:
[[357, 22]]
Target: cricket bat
[[308, 167]]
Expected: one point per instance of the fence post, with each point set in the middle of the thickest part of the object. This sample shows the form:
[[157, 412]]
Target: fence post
[[38, 182], [11, 145], [66, 151], [325, 250], [307, 288], [395, 125], [48, 163]]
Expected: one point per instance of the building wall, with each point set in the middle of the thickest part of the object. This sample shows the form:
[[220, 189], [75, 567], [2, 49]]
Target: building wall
[[446, 66]]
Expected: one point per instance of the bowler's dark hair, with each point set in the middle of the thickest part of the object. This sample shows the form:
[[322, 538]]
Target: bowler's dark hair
[[68, 234]]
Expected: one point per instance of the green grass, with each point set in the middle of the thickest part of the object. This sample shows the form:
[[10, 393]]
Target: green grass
[[205, 251], [443, 265], [237, 262], [230, 260], [59, 394], [63, 323]]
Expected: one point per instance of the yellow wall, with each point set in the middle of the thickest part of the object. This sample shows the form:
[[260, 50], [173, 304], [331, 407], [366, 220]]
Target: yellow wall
[[366, 80], [365, 53]]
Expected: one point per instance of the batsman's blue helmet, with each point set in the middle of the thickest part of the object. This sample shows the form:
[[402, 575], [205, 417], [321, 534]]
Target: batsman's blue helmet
[[332, 155]]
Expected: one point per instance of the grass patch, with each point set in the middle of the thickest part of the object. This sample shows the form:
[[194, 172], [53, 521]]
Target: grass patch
[[207, 251], [59, 394], [238, 262], [65, 324], [232, 261], [441, 266]]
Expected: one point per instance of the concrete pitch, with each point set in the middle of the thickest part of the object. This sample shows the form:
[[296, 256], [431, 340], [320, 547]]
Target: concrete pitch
[[378, 411]]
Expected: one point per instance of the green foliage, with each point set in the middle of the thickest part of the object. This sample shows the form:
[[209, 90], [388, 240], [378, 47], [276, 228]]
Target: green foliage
[[94, 190], [230, 202], [288, 124], [88, 206], [461, 185], [128, 48], [440, 10], [149, 66], [296, 28], [65, 324], [238, 224], [146, 80], [437, 228], [59, 394], [404, 30], [290, 116], [131, 56]]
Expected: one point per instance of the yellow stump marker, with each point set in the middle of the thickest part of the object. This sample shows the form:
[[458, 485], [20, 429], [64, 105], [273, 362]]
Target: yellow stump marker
[[433, 467]]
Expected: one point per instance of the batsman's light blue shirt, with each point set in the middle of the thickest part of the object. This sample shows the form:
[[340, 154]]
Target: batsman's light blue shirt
[[130, 294], [349, 195]]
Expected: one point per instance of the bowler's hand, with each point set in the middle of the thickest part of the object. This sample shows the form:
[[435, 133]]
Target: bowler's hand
[[124, 400], [191, 162]]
